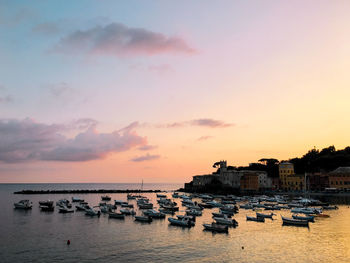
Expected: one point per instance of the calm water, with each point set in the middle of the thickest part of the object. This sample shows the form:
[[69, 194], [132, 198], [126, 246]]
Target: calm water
[[35, 236]]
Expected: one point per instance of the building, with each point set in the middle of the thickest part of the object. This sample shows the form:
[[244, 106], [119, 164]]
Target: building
[[340, 178], [253, 180], [317, 182], [295, 182], [285, 169]]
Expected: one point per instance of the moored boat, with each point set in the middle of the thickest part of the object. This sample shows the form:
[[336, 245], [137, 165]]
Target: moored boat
[[23, 204], [116, 215], [306, 218], [184, 222], [294, 222], [256, 219], [265, 215], [143, 219], [216, 228], [65, 210], [106, 198]]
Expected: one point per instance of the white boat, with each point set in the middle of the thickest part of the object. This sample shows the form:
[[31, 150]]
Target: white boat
[[23, 204], [92, 212], [65, 210], [185, 222]]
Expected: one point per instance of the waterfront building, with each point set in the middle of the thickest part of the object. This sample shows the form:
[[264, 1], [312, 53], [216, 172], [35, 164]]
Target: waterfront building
[[340, 178], [317, 181], [285, 169], [252, 180]]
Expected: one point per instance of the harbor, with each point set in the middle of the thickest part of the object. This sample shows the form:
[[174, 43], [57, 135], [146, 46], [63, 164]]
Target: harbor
[[127, 238]]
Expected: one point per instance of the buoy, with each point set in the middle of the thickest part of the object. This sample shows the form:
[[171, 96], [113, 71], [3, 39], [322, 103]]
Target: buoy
[[242, 247], [68, 242]]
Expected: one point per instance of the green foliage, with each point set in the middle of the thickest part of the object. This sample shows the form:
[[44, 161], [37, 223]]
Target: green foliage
[[328, 159]]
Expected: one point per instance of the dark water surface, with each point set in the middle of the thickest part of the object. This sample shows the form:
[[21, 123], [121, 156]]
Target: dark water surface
[[35, 236]]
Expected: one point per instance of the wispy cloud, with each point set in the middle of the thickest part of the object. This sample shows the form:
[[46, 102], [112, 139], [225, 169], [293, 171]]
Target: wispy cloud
[[205, 122], [120, 40], [147, 157], [204, 138], [5, 98], [147, 147], [27, 140], [59, 89]]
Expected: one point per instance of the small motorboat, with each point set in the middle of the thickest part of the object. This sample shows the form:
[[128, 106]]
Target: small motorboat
[[191, 218], [166, 211], [147, 219], [77, 199], [106, 198], [216, 228], [145, 206], [65, 210], [294, 222], [161, 196], [116, 215], [225, 221], [127, 211], [82, 207], [170, 207], [220, 215], [46, 203], [92, 212], [64, 202], [329, 207], [23, 204], [47, 208], [130, 197], [126, 204], [175, 195], [118, 202], [265, 215], [256, 219], [184, 222], [154, 214], [192, 212], [306, 218]]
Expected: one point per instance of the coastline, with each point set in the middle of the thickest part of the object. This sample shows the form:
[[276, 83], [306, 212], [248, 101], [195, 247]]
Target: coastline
[[98, 191]]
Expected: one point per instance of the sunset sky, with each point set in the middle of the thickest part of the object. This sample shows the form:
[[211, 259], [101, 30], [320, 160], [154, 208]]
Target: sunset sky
[[120, 91]]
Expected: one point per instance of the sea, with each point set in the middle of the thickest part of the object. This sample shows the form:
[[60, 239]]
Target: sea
[[36, 236]]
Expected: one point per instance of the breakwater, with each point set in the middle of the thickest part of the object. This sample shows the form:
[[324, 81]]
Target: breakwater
[[80, 191]]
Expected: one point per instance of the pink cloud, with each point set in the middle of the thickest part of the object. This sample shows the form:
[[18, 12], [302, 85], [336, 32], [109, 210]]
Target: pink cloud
[[147, 157], [27, 140]]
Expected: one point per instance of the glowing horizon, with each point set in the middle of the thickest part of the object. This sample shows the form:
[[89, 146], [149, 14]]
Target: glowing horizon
[[120, 92]]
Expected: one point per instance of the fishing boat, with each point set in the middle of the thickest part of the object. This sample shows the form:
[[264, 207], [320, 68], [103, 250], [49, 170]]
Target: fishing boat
[[184, 222], [175, 195], [256, 219], [306, 218], [143, 219], [191, 218], [130, 197], [294, 222], [265, 215], [82, 207], [23, 204], [216, 228], [116, 215], [329, 207], [46, 203], [161, 196], [146, 206]]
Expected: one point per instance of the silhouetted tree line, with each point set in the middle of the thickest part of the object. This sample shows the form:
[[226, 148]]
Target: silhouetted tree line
[[326, 160]]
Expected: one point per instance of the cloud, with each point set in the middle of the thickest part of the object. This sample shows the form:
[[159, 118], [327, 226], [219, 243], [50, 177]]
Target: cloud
[[47, 28], [147, 147], [27, 140], [205, 122], [147, 157], [210, 123], [119, 40], [204, 138]]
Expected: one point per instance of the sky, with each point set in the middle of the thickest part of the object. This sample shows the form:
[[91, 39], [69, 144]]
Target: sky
[[125, 91]]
